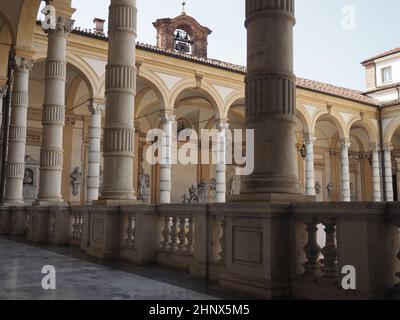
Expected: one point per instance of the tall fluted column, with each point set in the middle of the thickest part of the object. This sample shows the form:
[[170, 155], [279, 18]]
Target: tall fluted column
[[120, 93], [93, 181], [376, 174], [3, 92], [17, 135], [168, 121], [345, 171], [53, 119], [221, 162], [270, 99], [310, 174], [389, 173]]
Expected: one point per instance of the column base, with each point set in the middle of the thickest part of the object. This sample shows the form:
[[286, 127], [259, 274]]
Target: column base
[[50, 203], [112, 203], [271, 197], [10, 204]]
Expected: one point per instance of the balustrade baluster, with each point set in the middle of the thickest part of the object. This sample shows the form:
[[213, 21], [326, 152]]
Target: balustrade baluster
[[182, 235], [190, 236], [174, 234], [222, 240], [329, 268], [165, 244], [312, 267]]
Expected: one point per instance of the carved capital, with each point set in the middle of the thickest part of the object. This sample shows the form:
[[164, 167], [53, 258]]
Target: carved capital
[[374, 147], [64, 25], [23, 64], [3, 90], [221, 125], [96, 107], [309, 139], [167, 117], [344, 143], [388, 147]]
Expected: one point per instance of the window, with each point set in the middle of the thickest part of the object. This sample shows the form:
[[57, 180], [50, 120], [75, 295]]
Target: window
[[386, 74]]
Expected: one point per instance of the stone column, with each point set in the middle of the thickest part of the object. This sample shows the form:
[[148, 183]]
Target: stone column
[[220, 166], [388, 172], [53, 120], [345, 171], [168, 121], [3, 92], [376, 173], [93, 182], [310, 175], [120, 93], [270, 101], [17, 137]]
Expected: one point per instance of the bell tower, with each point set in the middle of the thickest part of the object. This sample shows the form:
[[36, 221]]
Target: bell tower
[[182, 34]]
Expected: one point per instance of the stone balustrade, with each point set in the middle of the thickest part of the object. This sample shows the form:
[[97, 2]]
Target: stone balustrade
[[263, 250]]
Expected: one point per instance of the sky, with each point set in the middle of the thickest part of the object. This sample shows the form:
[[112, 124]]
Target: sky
[[332, 37]]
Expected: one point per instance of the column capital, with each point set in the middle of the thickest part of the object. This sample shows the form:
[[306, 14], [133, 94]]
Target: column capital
[[167, 116], [3, 90], [221, 124], [96, 107], [374, 147], [64, 25], [344, 143], [23, 64], [388, 146], [309, 138]]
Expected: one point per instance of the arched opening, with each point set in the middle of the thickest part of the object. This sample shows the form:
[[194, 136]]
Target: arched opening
[[149, 103], [328, 133], [360, 163], [396, 164]]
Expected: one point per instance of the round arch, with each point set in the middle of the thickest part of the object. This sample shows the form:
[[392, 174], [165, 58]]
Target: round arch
[[301, 113], [26, 24], [211, 94], [332, 116], [232, 98], [390, 130], [368, 126], [90, 77]]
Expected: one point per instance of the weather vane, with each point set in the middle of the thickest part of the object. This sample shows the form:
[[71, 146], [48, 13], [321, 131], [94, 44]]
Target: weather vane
[[183, 7]]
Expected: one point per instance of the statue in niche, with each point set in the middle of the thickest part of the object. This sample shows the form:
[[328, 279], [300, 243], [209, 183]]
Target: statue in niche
[[201, 193], [318, 188], [144, 185], [76, 178], [330, 190], [233, 186], [28, 177]]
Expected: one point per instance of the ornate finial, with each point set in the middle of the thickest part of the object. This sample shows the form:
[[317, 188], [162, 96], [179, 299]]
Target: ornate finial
[[183, 8]]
